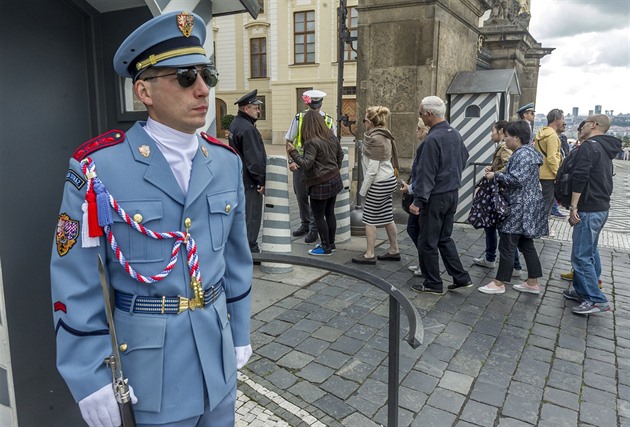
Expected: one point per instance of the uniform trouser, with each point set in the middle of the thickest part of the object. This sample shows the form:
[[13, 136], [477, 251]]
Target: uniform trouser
[[301, 193], [436, 227], [221, 416], [253, 215]]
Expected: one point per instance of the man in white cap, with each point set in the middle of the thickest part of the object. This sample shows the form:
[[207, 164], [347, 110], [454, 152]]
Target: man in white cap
[[183, 329], [313, 98]]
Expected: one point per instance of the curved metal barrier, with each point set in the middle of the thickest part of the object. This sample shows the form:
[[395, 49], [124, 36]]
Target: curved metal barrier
[[396, 301]]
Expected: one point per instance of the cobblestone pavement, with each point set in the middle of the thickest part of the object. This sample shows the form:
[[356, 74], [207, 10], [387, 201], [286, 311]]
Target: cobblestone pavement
[[320, 342]]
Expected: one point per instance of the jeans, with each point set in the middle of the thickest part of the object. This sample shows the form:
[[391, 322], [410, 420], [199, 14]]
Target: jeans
[[491, 247], [587, 267]]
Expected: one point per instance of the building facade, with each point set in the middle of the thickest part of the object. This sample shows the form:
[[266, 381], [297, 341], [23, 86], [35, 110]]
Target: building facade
[[291, 47]]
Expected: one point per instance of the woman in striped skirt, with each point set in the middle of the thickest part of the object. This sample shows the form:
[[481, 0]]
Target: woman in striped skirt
[[380, 179]]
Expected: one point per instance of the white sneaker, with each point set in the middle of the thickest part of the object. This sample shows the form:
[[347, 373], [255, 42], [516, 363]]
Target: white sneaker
[[416, 270], [483, 262]]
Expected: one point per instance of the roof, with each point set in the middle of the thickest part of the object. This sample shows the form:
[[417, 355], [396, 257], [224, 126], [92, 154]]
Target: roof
[[485, 81]]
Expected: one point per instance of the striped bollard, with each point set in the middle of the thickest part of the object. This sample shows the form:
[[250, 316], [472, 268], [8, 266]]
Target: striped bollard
[[342, 205], [276, 228]]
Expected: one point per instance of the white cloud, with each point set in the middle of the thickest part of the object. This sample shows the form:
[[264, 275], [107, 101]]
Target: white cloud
[[591, 62]]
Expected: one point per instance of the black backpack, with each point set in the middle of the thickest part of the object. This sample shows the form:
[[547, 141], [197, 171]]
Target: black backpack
[[562, 186]]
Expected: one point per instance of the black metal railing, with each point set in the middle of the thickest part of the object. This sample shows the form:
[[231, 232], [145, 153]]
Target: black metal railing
[[396, 301]]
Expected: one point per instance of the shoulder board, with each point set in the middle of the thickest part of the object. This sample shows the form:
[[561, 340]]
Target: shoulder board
[[107, 139], [215, 141]]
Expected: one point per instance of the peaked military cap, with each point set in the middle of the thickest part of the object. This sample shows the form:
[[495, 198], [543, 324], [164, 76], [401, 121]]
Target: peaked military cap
[[171, 40], [249, 98], [526, 107]]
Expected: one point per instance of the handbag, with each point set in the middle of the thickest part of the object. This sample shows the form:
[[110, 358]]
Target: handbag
[[489, 207]]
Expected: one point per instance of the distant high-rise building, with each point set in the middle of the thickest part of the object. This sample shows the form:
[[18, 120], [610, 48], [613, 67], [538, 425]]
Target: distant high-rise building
[[590, 112], [575, 111], [598, 109]]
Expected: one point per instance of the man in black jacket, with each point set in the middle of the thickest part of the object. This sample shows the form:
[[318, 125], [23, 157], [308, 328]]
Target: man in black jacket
[[437, 177], [592, 185], [245, 138]]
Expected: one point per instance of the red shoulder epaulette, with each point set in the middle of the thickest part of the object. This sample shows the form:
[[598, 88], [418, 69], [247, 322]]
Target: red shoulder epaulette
[[107, 139], [215, 141]]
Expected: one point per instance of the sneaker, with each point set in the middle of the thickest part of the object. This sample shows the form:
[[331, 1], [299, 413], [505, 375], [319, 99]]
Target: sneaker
[[558, 214], [524, 287], [311, 237], [459, 285], [483, 262], [517, 274], [320, 251], [301, 231], [488, 290], [416, 270], [567, 276], [333, 247], [572, 295], [590, 308]]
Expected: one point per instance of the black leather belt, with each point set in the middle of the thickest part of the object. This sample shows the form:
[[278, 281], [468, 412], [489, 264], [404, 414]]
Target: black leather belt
[[165, 305]]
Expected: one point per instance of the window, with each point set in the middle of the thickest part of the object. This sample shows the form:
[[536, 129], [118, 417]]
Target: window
[[304, 37], [349, 90], [263, 107], [352, 22], [472, 111], [258, 57]]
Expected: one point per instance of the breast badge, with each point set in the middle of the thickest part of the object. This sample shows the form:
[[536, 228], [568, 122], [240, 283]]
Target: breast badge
[[66, 233]]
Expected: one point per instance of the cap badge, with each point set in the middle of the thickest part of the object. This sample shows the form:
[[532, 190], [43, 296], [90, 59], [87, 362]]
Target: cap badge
[[204, 150], [185, 23], [145, 150]]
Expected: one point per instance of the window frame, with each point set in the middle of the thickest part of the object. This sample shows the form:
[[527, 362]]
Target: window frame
[[259, 58], [305, 34]]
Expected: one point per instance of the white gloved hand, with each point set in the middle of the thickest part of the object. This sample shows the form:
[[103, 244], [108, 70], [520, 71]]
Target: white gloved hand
[[100, 409], [242, 355]]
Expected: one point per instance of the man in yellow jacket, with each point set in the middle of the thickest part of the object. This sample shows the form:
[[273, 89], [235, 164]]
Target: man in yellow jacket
[[548, 144]]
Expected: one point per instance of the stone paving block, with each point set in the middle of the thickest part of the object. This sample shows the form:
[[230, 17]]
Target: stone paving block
[[307, 391], [361, 332], [336, 305], [431, 366], [564, 381], [596, 415], [466, 364], [420, 381], [410, 399], [282, 379], [456, 382], [318, 299], [433, 417], [604, 344], [333, 359], [365, 407], [522, 408], [404, 417], [542, 342], [558, 416], [570, 355], [440, 352], [356, 370], [490, 394], [269, 314], [315, 373], [479, 413], [334, 406], [446, 400], [357, 419], [537, 353], [525, 390], [371, 356], [373, 391], [601, 368], [623, 406], [260, 340], [321, 315], [341, 321], [313, 346], [291, 316], [308, 325], [273, 351], [532, 372], [295, 360], [562, 398], [600, 382], [347, 345], [339, 387], [599, 397], [601, 355], [291, 337], [328, 333]]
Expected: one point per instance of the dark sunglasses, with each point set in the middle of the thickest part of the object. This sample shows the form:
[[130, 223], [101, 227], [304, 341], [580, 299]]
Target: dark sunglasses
[[186, 77]]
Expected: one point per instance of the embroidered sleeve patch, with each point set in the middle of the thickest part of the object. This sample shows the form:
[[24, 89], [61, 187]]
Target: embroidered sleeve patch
[[75, 179], [59, 306], [66, 233]]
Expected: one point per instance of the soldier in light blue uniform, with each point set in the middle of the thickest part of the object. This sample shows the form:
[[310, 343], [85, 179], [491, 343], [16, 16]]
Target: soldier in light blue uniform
[[181, 341]]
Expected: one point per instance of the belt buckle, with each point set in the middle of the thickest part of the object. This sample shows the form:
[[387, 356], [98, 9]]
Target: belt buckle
[[186, 304]]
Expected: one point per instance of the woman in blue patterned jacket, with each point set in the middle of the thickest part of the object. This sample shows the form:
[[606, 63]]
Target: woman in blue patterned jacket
[[528, 217]]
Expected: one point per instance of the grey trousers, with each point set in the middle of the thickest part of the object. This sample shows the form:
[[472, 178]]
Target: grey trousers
[[301, 193]]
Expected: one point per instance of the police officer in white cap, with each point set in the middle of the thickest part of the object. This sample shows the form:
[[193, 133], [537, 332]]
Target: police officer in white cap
[[313, 98], [181, 278]]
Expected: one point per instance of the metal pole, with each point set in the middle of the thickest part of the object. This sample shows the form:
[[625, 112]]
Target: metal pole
[[341, 45], [394, 362]]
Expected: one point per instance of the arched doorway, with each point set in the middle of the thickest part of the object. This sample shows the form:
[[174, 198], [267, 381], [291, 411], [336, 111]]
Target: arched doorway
[[221, 109]]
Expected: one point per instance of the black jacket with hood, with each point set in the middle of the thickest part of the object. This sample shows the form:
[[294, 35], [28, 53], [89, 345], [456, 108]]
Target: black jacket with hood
[[592, 172]]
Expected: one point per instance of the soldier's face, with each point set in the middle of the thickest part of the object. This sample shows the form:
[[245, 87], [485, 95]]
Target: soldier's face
[[183, 109]]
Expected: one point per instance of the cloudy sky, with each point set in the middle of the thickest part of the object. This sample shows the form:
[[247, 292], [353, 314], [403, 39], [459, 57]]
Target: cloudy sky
[[591, 62]]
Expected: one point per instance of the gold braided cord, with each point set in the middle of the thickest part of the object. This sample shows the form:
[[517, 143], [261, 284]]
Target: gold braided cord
[[154, 59]]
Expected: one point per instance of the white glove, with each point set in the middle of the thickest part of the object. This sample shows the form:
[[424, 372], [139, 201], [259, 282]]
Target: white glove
[[242, 355], [100, 409]]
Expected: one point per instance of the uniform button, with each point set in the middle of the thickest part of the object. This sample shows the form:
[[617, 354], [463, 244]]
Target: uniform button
[[228, 208], [187, 222], [137, 218], [123, 347], [228, 316]]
